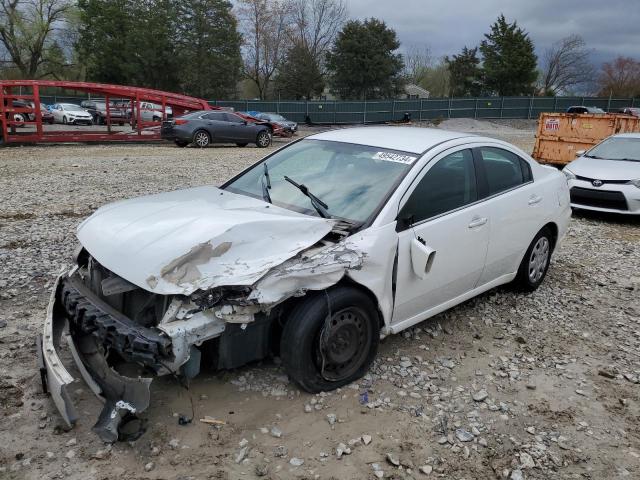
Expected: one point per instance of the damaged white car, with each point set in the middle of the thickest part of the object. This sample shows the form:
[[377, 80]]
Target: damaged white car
[[312, 254]]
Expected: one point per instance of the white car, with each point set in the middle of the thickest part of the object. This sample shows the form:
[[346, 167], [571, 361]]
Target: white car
[[70, 114], [312, 254], [607, 177]]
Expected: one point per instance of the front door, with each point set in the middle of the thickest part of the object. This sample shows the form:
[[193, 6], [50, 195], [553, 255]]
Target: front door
[[444, 240]]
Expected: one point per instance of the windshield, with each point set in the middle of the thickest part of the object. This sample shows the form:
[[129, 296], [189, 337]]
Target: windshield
[[73, 108], [617, 148], [352, 180]]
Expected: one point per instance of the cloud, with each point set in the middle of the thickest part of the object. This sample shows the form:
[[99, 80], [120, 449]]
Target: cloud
[[609, 28]]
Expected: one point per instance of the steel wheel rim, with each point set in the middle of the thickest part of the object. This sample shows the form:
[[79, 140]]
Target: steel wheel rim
[[343, 344], [263, 139], [202, 140], [538, 259]]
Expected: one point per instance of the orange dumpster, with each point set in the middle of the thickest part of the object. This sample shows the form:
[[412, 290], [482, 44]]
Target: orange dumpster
[[561, 135]]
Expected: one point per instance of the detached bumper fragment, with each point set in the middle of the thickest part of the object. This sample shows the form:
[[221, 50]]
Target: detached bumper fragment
[[122, 396]]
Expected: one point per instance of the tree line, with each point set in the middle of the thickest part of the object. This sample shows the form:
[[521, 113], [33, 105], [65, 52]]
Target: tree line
[[293, 49]]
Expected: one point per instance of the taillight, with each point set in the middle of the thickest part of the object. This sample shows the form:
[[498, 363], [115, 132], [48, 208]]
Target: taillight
[[180, 121]]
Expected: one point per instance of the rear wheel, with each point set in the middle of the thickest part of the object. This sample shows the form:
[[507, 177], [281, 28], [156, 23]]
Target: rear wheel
[[535, 264], [330, 338], [201, 139], [264, 139], [181, 143]]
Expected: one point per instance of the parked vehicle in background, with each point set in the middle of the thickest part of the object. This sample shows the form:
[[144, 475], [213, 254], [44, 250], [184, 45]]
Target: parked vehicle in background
[[149, 112], [630, 111], [606, 178], [71, 114], [583, 109], [311, 254], [287, 125], [98, 110], [206, 127]]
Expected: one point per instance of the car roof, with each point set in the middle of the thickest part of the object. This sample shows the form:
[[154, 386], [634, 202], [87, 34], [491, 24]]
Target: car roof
[[406, 139], [627, 135]]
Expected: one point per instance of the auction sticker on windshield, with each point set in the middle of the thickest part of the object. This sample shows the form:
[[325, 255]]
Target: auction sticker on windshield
[[394, 157]]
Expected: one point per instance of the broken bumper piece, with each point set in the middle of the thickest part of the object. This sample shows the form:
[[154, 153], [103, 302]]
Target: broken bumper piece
[[122, 396]]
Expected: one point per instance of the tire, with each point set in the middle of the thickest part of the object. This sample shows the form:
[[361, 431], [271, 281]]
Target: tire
[[241, 145], [181, 143], [535, 263], [156, 119], [201, 138], [64, 120], [264, 139], [354, 318], [18, 117]]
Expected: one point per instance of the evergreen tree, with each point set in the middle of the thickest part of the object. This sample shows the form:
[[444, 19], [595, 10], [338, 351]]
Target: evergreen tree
[[465, 73], [209, 48], [363, 62], [509, 61], [299, 76]]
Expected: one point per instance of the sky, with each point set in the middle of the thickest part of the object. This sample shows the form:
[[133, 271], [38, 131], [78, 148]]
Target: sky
[[609, 27]]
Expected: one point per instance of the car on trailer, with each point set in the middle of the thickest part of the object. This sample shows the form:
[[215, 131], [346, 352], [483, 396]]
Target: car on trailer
[[311, 254], [98, 110], [70, 114], [276, 118]]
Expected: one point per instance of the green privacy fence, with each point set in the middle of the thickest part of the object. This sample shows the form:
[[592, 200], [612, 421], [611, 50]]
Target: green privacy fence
[[330, 112], [374, 111]]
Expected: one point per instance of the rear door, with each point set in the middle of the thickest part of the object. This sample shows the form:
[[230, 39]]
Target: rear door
[[217, 126], [517, 208], [443, 237], [239, 130]]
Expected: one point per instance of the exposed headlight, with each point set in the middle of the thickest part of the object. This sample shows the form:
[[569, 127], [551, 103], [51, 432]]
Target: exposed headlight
[[635, 183], [569, 174]]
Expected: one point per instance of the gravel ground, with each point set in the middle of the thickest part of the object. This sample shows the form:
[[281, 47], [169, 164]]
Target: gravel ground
[[515, 386]]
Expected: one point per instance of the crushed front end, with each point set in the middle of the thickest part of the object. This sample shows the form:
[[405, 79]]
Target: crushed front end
[[114, 328]]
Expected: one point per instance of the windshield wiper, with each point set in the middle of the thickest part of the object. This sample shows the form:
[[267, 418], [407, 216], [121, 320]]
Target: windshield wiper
[[318, 204], [266, 186]]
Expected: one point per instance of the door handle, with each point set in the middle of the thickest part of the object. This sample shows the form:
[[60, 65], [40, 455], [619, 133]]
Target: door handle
[[534, 200], [477, 222]]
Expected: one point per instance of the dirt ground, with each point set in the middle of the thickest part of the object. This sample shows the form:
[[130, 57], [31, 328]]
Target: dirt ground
[[538, 386]]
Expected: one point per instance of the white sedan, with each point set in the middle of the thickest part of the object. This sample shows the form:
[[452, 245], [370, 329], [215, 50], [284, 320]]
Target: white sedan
[[312, 254], [607, 177], [71, 114]]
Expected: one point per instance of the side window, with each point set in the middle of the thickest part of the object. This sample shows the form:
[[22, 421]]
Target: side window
[[448, 185], [219, 116], [503, 169], [233, 118]]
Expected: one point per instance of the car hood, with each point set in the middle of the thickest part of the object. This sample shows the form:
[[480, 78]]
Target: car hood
[[78, 113], [195, 239], [600, 169]]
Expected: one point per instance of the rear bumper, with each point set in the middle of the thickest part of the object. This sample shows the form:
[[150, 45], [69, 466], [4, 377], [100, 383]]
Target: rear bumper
[[122, 396]]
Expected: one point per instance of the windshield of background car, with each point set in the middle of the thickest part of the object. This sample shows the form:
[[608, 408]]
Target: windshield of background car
[[617, 148], [353, 180], [276, 118], [73, 108]]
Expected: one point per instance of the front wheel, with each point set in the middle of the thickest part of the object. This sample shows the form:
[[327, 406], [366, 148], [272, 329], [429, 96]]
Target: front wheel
[[201, 139], [64, 120], [330, 338], [535, 264], [264, 139]]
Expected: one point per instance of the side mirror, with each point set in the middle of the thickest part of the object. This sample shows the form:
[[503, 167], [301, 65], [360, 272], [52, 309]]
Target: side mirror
[[579, 153]]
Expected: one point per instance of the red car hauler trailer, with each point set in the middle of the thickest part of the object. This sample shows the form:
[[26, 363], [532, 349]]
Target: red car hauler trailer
[[23, 96]]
